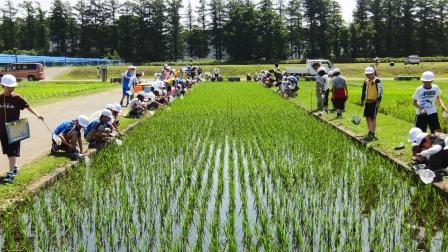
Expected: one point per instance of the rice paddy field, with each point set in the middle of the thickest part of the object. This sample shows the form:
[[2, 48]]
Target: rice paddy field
[[232, 167], [44, 92]]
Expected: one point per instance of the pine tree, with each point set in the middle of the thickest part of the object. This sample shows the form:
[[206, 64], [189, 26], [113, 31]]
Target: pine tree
[[58, 27], [202, 36], [407, 31], [216, 27], [294, 23], [376, 20], [41, 31], [126, 23], [8, 27], [337, 32], [175, 29], [241, 37], [28, 29], [360, 30]]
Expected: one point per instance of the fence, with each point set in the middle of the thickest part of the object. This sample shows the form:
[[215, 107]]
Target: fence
[[53, 61]]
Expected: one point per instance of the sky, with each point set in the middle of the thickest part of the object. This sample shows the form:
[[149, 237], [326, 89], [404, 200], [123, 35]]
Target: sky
[[347, 6]]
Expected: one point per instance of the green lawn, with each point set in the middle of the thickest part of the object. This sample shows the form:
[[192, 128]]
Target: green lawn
[[47, 92], [354, 70]]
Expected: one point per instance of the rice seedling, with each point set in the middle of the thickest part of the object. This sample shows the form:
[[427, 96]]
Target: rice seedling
[[232, 167]]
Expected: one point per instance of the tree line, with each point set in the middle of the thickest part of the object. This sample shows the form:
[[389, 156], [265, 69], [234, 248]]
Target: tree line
[[241, 30]]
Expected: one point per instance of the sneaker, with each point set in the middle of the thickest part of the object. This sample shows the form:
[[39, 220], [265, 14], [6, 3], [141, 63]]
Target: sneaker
[[54, 148], [15, 172], [9, 178]]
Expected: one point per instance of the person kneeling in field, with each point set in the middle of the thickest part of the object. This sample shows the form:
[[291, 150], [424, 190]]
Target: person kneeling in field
[[137, 107], [67, 137], [293, 87], [97, 133], [339, 92], [424, 100], [116, 110], [430, 150]]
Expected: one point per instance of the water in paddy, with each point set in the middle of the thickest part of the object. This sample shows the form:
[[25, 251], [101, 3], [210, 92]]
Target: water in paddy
[[232, 167]]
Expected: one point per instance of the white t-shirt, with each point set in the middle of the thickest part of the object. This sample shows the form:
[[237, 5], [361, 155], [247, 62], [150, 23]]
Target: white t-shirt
[[158, 84], [326, 82], [426, 98]]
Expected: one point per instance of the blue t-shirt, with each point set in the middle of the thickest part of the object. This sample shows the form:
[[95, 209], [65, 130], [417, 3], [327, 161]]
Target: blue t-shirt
[[64, 127], [93, 125]]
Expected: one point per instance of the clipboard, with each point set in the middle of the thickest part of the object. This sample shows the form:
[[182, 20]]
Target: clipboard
[[17, 130]]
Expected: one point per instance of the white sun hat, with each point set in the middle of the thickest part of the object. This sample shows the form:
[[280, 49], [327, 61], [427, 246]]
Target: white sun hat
[[369, 70], [419, 138], [107, 113], [413, 133], [83, 121], [428, 76], [336, 70], [9, 80]]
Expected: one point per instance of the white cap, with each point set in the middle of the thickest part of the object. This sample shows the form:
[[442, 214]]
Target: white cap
[[330, 73], [369, 70], [336, 70], [83, 121], [321, 69], [413, 133], [107, 113], [110, 106], [9, 80], [132, 67], [419, 138], [117, 107], [426, 76]]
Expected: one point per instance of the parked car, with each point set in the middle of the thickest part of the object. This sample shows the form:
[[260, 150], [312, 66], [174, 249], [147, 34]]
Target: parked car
[[29, 71], [309, 70], [412, 60]]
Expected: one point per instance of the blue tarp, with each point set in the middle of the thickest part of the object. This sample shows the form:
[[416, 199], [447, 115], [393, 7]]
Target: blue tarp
[[8, 59]]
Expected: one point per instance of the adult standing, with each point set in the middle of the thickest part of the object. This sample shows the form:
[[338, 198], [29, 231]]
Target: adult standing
[[425, 98], [320, 88], [126, 78], [339, 92], [372, 93], [10, 106]]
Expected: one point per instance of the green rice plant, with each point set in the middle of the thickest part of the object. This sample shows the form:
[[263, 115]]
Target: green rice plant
[[231, 167]]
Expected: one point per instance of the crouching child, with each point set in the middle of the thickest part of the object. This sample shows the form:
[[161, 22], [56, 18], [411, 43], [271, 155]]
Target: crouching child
[[98, 132], [137, 107], [67, 137]]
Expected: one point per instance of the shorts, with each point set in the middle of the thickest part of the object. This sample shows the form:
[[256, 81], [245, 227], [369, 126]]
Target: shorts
[[423, 121], [339, 103], [11, 150], [371, 109]]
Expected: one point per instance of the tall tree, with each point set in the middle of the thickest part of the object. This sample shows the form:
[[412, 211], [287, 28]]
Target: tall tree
[[294, 22], [175, 29], [28, 29], [58, 27], [360, 30], [202, 36], [377, 22], [41, 30], [216, 27], [126, 24], [337, 33], [8, 27], [190, 24], [407, 30], [242, 23], [425, 15]]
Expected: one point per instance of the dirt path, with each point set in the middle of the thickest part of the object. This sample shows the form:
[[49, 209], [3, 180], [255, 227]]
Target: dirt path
[[52, 73], [40, 142]]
